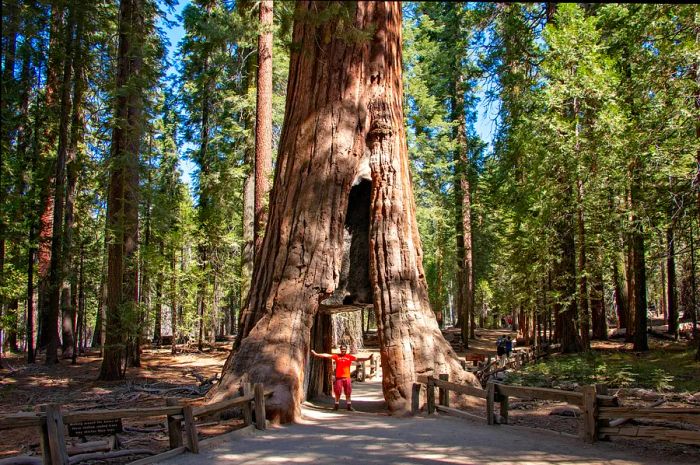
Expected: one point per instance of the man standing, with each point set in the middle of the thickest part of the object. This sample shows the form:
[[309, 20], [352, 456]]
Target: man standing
[[342, 382]]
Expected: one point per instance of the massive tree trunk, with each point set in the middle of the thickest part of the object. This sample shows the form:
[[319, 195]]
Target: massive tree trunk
[[122, 207], [343, 128]]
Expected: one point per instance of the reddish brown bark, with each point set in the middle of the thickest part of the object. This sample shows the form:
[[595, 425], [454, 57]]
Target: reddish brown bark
[[464, 222], [343, 126], [47, 146], [263, 120]]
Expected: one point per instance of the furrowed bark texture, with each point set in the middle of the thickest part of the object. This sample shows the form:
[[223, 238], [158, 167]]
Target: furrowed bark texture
[[343, 124]]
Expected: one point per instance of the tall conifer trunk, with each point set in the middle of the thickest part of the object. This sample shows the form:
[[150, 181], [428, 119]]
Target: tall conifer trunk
[[57, 257], [248, 216], [599, 320], [122, 207], [48, 127], [263, 120], [343, 127], [68, 309], [671, 300], [566, 311]]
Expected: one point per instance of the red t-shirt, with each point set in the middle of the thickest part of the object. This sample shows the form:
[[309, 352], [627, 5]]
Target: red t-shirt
[[342, 365]]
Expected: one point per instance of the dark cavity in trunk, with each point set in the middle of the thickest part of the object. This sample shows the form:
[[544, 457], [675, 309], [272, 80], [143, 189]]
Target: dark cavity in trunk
[[354, 288]]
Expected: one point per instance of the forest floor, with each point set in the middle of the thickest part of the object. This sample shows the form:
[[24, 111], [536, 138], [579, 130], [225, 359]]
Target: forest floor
[[23, 387], [75, 387]]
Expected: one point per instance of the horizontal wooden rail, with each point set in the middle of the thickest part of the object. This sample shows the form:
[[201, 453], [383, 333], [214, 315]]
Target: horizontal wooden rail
[[575, 398], [460, 388], [210, 409], [668, 412], [90, 415], [652, 432], [21, 420]]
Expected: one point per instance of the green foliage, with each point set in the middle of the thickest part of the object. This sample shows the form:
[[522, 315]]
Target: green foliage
[[661, 370]]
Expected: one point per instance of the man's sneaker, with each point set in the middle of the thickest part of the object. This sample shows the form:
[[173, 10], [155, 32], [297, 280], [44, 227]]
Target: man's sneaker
[[335, 407], [350, 409]]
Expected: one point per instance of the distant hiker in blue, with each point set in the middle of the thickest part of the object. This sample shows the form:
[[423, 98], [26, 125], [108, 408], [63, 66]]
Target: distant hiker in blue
[[509, 346], [501, 350]]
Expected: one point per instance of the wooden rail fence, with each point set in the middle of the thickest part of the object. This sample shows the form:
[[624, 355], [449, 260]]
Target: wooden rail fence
[[602, 416], [50, 423], [485, 366]]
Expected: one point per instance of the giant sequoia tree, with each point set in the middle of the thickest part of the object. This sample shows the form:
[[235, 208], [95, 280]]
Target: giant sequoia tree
[[342, 156]]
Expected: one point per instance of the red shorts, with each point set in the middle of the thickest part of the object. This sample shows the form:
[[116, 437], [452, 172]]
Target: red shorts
[[342, 385]]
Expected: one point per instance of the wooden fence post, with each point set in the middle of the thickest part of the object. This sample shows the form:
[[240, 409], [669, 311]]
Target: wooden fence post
[[44, 438], [444, 394], [590, 414], [190, 430], [361, 371], [259, 406], [431, 395], [490, 391], [415, 398], [247, 412], [174, 426], [503, 399], [56, 435]]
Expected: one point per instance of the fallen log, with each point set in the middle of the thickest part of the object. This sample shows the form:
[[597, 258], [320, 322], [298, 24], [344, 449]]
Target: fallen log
[[192, 389], [87, 447], [135, 429]]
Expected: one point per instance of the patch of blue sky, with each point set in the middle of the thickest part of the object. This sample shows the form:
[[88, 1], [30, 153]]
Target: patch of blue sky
[[172, 25]]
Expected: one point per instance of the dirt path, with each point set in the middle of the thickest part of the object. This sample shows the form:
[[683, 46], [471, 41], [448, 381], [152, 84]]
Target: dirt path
[[367, 437]]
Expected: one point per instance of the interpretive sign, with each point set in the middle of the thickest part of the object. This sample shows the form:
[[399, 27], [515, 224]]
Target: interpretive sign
[[95, 428]]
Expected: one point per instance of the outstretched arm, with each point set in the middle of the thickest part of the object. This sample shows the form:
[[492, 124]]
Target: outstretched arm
[[316, 354], [364, 359]]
